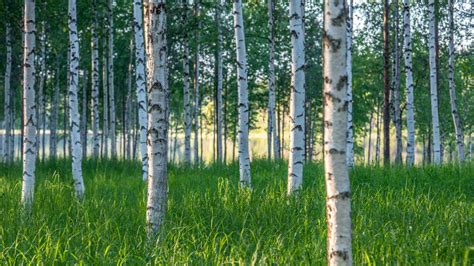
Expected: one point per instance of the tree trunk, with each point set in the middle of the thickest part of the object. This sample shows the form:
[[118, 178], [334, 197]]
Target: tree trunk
[[433, 83], [111, 88], [84, 115], [105, 107], [197, 104], [386, 78], [396, 87], [219, 82], [242, 70], [377, 141], [95, 83], [186, 92], [369, 155], [42, 76], [9, 137], [410, 150], [452, 92], [338, 200], [29, 106], [297, 101], [350, 130], [272, 133], [74, 117], [155, 29], [54, 118], [140, 79]]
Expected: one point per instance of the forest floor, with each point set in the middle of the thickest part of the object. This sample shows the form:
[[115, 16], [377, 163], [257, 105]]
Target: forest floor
[[413, 216]]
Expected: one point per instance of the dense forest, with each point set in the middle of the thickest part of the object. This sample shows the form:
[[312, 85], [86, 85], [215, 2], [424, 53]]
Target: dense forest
[[255, 106]]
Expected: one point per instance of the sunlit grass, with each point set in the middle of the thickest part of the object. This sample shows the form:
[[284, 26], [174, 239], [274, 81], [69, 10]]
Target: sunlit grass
[[410, 216]]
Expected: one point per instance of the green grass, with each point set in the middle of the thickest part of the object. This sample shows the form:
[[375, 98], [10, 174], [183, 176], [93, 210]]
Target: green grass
[[414, 216]]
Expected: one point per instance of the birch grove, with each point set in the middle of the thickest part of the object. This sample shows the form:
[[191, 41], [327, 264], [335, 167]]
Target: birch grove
[[155, 30], [74, 117], [297, 98], [410, 149], [338, 198], [452, 91], [242, 85], [140, 80], [433, 84], [29, 104]]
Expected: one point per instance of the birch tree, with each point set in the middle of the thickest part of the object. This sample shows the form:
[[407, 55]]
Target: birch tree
[[53, 142], [338, 200], [242, 85], [7, 101], [396, 85], [29, 104], [41, 106], [433, 83], [350, 130], [105, 100], [74, 117], [219, 81], [297, 99], [95, 83], [186, 91], [140, 80], [410, 150], [452, 92], [111, 88], [155, 30], [386, 78], [272, 136], [84, 114]]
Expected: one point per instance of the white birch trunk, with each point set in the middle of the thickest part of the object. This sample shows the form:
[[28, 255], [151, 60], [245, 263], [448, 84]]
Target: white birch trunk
[[186, 91], [219, 81], [74, 117], [338, 200], [433, 84], [140, 80], [29, 105], [272, 131], [111, 87], [452, 92], [297, 99], [350, 130], [95, 84], [155, 20], [7, 101], [105, 107], [410, 150], [242, 70], [84, 115]]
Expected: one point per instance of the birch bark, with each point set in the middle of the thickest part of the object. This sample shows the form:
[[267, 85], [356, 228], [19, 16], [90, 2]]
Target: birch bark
[[297, 99], [111, 87], [105, 106], [29, 106], [338, 200], [452, 91], [410, 150], [433, 84], [350, 130], [140, 80], [95, 83], [242, 70], [272, 134], [155, 20], [396, 86], [74, 117], [186, 91], [84, 114]]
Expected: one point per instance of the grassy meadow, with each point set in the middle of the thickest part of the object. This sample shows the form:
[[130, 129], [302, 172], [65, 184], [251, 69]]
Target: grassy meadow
[[416, 216]]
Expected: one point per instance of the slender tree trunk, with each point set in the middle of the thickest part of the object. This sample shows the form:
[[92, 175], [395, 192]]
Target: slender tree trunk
[[452, 92], [197, 104], [95, 83], [242, 70], [105, 107], [369, 155], [74, 117], [219, 81], [40, 97], [54, 118], [29, 106], [396, 86], [350, 130], [84, 115], [140, 83], [433, 83], [470, 146], [111, 88], [225, 121], [338, 200], [386, 78], [128, 105], [377, 142], [155, 29], [9, 137], [272, 131], [186, 91], [364, 144], [283, 112], [410, 150], [297, 101]]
